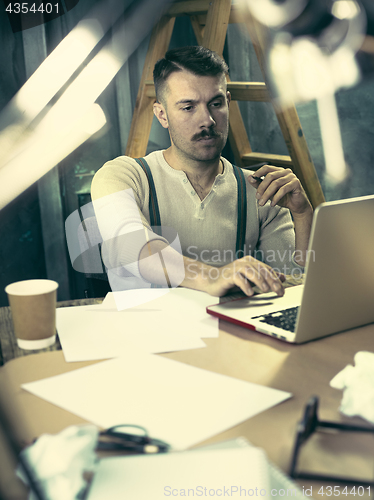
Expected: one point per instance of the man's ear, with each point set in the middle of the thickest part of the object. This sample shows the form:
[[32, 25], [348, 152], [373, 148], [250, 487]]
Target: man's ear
[[160, 113], [228, 97]]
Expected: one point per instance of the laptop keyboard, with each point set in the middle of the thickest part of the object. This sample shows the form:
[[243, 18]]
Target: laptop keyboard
[[286, 319]]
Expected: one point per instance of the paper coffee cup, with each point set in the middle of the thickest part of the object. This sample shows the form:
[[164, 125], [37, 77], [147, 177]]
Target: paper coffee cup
[[33, 306]]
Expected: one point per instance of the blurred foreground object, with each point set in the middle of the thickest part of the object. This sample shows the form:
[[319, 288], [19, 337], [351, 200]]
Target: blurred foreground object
[[315, 48], [357, 384], [61, 461], [312, 52], [56, 110]]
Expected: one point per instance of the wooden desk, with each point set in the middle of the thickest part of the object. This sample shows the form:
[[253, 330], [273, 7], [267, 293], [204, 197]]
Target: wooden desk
[[304, 370], [8, 344]]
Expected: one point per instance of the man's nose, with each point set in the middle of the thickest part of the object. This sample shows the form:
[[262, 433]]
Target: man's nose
[[205, 117]]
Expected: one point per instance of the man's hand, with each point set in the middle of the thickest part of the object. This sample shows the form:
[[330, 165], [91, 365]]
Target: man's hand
[[217, 281], [282, 187], [242, 273]]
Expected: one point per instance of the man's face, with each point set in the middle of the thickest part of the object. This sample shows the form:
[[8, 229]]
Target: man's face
[[196, 111]]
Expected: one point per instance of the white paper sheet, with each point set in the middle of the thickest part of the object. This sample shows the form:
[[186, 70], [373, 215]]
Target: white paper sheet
[[92, 332], [177, 403], [180, 305], [229, 472]]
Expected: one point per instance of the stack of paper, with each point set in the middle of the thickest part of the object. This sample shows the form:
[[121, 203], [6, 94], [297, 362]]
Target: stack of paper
[[158, 323]]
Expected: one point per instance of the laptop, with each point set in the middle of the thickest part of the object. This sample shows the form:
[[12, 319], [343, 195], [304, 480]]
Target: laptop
[[338, 290]]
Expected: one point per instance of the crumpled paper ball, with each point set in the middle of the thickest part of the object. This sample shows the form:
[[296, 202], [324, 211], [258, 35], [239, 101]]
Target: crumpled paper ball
[[357, 382], [60, 460]]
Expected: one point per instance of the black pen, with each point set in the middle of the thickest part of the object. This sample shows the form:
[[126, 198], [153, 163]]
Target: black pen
[[256, 166], [258, 179]]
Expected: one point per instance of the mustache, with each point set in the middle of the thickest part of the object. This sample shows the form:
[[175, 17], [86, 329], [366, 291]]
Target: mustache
[[205, 133]]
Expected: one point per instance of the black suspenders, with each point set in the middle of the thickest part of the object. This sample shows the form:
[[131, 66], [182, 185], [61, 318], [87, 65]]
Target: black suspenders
[[154, 212], [242, 212]]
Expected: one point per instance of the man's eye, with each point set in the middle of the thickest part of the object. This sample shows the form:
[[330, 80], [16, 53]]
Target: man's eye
[[216, 104], [187, 108]]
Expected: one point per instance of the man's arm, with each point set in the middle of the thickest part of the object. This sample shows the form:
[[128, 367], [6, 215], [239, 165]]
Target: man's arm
[[160, 264], [283, 188], [302, 224]]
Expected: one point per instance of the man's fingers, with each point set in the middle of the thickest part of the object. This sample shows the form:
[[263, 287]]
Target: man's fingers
[[255, 276], [289, 188], [281, 276], [244, 273], [254, 180], [272, 280], [276, 188], [265, 278], [243, 283], [274, 172], [276, 184]]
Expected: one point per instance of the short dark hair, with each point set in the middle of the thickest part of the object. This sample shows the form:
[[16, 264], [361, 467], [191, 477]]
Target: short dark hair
[[196, 59]]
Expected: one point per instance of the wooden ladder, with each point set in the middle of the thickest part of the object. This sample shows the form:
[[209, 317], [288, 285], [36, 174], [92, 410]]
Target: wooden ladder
[[209, 20]]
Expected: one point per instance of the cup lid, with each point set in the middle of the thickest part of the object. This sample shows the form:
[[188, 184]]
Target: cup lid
[[31, 287]]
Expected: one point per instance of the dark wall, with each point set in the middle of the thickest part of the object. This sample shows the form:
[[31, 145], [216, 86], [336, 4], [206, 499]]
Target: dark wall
[[356, 118], [21, 244], [22, 253]]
